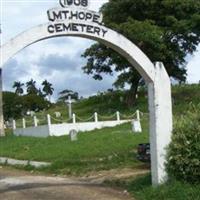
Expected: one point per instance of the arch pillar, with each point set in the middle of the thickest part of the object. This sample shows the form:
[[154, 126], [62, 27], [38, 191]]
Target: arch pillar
[[160, 109]]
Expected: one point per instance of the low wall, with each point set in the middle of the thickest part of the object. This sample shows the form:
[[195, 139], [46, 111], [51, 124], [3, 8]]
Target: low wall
[[40, 131], [64, 129]]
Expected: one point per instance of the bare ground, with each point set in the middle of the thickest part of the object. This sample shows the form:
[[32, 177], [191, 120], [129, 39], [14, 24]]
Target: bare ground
[[22, 185]]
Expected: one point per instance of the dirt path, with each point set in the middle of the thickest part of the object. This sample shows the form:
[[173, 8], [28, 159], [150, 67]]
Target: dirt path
[[20, 185]]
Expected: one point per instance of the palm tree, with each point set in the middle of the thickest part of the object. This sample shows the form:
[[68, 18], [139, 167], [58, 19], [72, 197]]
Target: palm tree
[[18, 85], [31, 88], [47, 89]]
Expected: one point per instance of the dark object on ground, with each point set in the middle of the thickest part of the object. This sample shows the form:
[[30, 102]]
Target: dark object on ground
[[143, 152]]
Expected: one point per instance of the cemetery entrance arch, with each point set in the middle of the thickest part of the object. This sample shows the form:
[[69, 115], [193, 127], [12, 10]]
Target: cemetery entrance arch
[[80, 22]]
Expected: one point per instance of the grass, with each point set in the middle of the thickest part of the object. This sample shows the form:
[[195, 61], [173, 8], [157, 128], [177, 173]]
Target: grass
[[108, 103], [104, 104], [142, 189], [107, 148]]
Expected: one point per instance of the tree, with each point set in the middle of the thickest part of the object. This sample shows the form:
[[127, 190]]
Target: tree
[[31, 88], [47, 89], [34, 102], [40, 93], [18, 87], [12, 106], [63, 95], [165, 30]]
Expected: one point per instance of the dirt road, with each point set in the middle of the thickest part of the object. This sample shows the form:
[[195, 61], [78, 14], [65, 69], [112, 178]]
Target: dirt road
[[19, 185]]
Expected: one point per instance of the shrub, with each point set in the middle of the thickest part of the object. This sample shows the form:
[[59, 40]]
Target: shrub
[[184, 150]]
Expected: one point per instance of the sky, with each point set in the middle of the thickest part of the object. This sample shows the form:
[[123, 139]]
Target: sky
[[58, 60]]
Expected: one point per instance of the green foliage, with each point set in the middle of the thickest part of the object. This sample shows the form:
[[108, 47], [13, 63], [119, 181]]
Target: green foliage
[[184, 150], [16, 106], [19, 87], [31, 88], [107, 148], [64, 95], [141, 189], [34, 102], [12, 107], [47, 88], [164, 30]]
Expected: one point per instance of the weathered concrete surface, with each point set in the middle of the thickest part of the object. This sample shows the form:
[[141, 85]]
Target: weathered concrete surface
[[160, 108], [10, 161], [22, 186]]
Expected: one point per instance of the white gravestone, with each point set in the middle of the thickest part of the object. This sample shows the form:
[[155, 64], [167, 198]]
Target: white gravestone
[[57, 114], [73, 135], [136, 126]]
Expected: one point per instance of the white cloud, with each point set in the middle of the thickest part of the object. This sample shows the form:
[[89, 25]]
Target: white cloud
[[29, 63], [194, 68]]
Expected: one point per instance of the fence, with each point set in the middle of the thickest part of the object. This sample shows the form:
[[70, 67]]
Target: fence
[[58, 127]]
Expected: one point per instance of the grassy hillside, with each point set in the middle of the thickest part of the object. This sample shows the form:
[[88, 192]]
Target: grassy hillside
[[184, 96], [108, 103], [105, 104]]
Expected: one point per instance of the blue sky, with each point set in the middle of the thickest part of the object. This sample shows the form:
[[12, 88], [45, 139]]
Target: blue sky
[[57, 60]]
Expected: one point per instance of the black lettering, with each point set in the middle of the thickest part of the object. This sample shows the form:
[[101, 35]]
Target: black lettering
[[77, 2], [65, 3], [50, 29], [74, 15], [59, 27], [96, 18], [104, 32], [88, 16], [82, 27], [81, 15], [65, 12], [89, 29], [66, 28], [97, 30], [49, 16], [84, 3], [69, 2], [74, 27], [57, 15]]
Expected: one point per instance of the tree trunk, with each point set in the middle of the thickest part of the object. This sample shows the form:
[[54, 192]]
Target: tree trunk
[[2, 132], [131, 96]]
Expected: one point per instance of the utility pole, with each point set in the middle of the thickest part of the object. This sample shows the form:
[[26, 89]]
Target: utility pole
[[2, 131]]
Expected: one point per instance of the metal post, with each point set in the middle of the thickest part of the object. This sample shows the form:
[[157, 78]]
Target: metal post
[[14, 124], [118, 116], [69, 104], [74, 118], [35, 121], [49, 120], [95, 117], [138, 115], [23, 123]]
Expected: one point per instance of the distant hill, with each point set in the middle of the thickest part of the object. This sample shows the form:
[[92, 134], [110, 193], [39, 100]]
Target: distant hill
[[108, 103]]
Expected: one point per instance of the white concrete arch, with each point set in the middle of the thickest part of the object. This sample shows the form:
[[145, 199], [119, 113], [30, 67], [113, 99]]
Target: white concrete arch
[[112, 39], [159, 88]]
